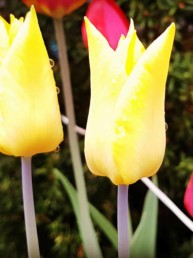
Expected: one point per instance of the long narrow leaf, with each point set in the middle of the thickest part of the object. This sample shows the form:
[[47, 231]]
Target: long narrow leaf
[[104, 224], [143, 243], [70, 191], [106, 227]]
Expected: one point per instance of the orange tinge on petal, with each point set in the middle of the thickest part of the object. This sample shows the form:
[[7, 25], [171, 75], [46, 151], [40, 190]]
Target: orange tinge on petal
[[55, 8]]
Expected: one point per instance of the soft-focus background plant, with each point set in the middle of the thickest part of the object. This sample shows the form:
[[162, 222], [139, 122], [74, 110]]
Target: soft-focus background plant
[[57, 227]]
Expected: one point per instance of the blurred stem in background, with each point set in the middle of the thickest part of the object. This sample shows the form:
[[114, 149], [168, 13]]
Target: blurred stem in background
[[29, 210], [88, 234], [166, 200]]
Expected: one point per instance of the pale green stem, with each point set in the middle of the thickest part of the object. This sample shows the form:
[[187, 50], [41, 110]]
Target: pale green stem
[[123, 221], [160, 194], [29, 210], [89, 238], [163, 197]]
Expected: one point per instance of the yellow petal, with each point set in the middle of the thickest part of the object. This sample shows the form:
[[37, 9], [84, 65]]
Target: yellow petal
[[139, 140], [15, 25], [125, 134], [104, 92], [4, 45], [99, 55], [109, 72], [129, 49], [29, 113]]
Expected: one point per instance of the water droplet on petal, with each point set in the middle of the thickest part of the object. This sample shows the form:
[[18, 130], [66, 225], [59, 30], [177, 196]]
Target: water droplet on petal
[[166, 126], [52, 62], [57, 149], [57, 90]]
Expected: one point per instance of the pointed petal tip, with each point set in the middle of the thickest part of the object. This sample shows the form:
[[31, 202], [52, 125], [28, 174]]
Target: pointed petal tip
[[172, 26], [32, 12], [131, 22], [92, 32], [88, 24], [170, 33], [12, 17], [32, 8], [31, 19], [171, 29], [86, 18]]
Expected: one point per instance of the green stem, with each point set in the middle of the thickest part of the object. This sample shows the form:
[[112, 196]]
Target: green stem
[[29, 210], [88, 234], [123, 221]]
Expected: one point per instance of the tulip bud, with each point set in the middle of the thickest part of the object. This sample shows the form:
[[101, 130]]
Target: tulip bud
[[108, 18], [30, 120], [55, 8], [125, 134], [188, 197]]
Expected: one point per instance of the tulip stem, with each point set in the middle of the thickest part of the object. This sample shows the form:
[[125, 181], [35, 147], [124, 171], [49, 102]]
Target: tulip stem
[[163, 197], [88, 234], [29, 210], [160, 194], [123, 221]]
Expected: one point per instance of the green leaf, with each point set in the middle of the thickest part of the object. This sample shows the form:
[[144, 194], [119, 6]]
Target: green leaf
[[104, 224], [143, 242], [70, 191], [106, 227]]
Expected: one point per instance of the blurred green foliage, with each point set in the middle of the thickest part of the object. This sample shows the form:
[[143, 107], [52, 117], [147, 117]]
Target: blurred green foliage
[[57, 227]]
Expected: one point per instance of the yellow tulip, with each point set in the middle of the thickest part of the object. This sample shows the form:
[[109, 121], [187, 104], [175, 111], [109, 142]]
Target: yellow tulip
[[125, 134], [30, 120]]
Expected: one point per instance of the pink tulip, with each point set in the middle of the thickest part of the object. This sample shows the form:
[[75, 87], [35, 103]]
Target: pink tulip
[[188, 197], [108, 18]]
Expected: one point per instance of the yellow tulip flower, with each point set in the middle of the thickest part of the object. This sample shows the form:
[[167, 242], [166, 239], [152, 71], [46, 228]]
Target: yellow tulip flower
[[30, 119], [125, 134]]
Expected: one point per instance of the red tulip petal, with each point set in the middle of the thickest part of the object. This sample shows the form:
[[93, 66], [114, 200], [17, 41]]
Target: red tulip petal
[[55, 8], [109, 19], [188, 197]]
